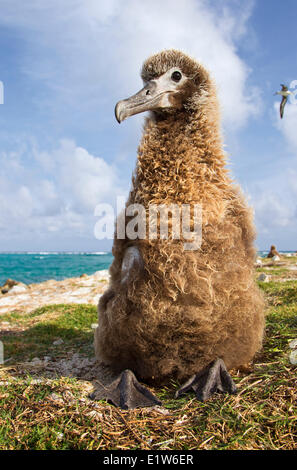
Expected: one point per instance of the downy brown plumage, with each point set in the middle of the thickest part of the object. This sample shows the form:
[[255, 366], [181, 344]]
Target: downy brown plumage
[[179, 310]]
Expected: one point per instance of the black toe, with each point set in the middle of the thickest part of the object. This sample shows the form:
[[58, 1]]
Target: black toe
[[212, 379], [127, 393]]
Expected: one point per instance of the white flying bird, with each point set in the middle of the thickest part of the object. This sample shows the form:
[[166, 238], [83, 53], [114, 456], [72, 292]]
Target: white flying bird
[[284, 93]]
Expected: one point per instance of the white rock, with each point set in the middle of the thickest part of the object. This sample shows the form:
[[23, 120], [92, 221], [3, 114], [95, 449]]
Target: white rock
[[293, 357], [104, 274], [275, 258], [55, 397], [18, 289], [36, 360], [4, 309], [87, 282], [37, 381], [258, 262], [58, 342], [13, 300], [263, 277], [293, 344], [81, 291], [47, 358], [161, 410], [95, 414]]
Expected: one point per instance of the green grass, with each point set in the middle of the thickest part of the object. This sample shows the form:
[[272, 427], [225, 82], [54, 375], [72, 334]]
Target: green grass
[[272, 270], [284, 293], [38, 411], [35, 332]]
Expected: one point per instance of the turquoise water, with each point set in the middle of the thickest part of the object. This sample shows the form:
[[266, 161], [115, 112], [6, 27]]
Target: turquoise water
[[37, 267], [281, 252]]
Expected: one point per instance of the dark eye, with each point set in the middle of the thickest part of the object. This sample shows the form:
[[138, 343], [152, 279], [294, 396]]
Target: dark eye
[[176, 76]]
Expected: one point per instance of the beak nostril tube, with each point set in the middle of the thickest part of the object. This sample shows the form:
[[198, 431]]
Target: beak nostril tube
[[152, 96]]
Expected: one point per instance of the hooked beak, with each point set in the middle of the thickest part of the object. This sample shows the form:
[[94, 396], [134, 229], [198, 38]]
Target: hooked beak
[[151, 97]]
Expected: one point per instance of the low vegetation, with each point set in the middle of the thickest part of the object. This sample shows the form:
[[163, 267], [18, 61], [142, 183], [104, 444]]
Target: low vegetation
[[42, 410]]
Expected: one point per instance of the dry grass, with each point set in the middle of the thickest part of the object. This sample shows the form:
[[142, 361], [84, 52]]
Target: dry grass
[[40, 411]]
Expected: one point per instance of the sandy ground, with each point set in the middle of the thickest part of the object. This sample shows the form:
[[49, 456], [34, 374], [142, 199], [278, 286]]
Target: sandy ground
[[82, 290], [86, 289], [282, 270]]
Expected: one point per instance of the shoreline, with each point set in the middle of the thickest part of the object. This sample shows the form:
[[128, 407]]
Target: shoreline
[[24, 298], [40, 266], [87, 289], [60, 278]]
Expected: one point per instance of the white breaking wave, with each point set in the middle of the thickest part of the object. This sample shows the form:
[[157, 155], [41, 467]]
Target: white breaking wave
[[44, 253]]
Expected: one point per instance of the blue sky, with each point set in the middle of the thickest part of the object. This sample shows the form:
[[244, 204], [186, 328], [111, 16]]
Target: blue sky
[[65, 63]]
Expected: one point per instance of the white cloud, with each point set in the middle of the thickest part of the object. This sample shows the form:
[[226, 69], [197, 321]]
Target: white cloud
[[82, 179], [275, 198], [288, 125], [87, 54], [101, 45], [273, 210], [64, 200]]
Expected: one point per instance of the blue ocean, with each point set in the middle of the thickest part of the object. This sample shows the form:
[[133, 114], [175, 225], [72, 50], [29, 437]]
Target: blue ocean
[[37, 267], [33, 267]]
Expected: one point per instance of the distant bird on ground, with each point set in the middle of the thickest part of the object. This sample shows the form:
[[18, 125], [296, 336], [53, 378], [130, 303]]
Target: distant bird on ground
[[273, 252], [284, 93]]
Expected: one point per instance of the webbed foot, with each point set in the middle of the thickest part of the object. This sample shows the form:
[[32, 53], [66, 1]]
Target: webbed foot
[[212, 379], [127, 393]]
